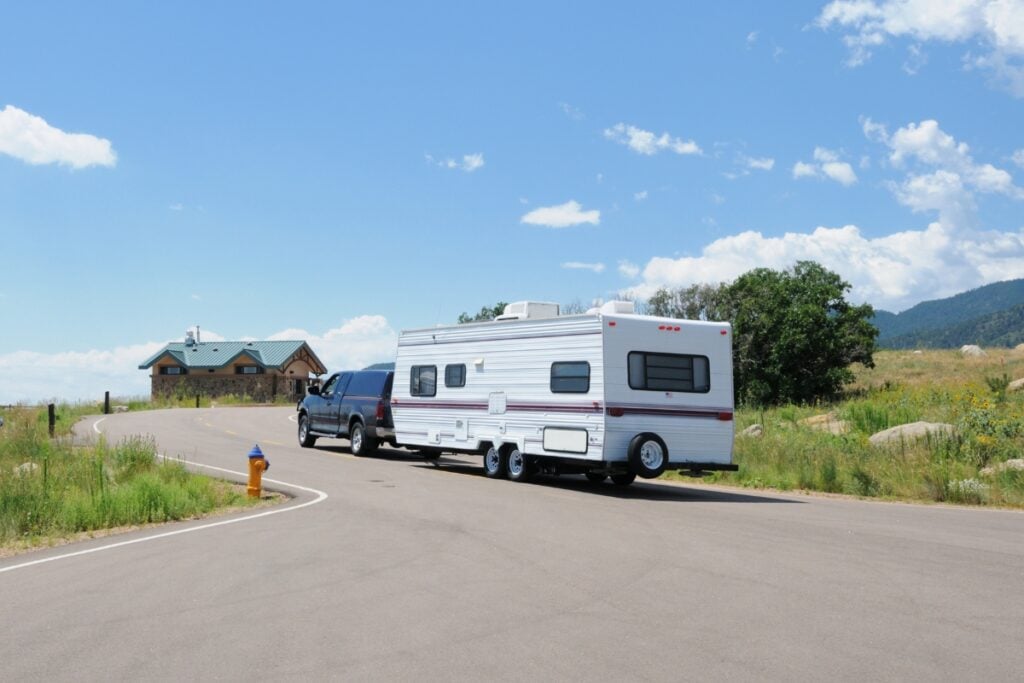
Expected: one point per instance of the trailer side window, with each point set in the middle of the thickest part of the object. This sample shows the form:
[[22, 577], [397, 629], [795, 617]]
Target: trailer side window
[[669, 372], [423, 380], [455, 376], [570, 377]]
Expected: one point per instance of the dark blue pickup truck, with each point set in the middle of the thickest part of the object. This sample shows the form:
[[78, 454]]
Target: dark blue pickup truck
[[353, 405]]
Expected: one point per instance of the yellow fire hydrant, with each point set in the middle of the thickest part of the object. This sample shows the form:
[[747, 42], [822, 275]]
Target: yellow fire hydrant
[[257, 466]]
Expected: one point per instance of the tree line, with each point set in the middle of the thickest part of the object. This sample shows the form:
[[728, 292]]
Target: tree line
[[795, 335]]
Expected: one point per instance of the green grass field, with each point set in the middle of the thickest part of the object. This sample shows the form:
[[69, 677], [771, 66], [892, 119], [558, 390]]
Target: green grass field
[[934, 386]]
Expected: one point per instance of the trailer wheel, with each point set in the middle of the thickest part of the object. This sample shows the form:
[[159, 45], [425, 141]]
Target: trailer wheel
[[624, 479], [519, 466], [596, 477], [495, 462], [361, 444], [648, 456], [305, 438]]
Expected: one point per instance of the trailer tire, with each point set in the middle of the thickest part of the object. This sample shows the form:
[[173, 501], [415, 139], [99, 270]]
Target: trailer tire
[[519, 466], [360, 443], [624, 479], [596, 477], [305, 438], [495, 462], [648, 456]]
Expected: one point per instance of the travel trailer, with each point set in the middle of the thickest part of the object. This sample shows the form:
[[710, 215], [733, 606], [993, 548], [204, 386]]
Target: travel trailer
[[606, 393]]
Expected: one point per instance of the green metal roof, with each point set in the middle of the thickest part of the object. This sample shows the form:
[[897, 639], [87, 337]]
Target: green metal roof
[[269, 354]]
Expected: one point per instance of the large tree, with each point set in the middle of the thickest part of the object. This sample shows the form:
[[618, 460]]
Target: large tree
[[794, 334]]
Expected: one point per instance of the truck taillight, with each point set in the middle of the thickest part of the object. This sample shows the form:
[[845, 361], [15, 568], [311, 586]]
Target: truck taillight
[[380, 410]]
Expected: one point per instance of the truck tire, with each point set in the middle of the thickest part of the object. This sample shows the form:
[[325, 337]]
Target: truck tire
[[495, 462], [305, 438], [624, 479], [596, 477], [648, 456], [519, 466], [360, 442]]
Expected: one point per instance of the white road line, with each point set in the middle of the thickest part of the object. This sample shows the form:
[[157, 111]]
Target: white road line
[[292, 418], [320, 497], [96, 425]]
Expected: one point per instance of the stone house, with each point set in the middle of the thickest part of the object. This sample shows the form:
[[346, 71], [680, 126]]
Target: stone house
[[261, 370]]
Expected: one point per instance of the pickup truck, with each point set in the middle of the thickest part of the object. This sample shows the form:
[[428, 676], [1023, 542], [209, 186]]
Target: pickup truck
[[353, 405]]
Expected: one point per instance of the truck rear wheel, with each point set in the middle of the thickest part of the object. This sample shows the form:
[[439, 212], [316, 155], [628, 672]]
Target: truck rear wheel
[[596, 477], [624, 479], [495, 462], [519, 466], [361, 444], [648, 456]]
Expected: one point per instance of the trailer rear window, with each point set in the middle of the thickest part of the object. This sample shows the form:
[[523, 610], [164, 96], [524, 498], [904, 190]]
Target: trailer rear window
[[669, 372], [455, 376], [423, 380], [570, 377]]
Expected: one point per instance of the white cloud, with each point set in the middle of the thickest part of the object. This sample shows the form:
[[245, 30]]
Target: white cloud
[[640, 196], [576, 265], [628, 269], [562, 216], [717, 198], [751, 39], [892, 272], [828, 166], [646, 142], [196, 297], [572, 112], [759, 163], [30, 377], [1018, 157], [469, 162], [32, 140], [997, 24], [177, 207]]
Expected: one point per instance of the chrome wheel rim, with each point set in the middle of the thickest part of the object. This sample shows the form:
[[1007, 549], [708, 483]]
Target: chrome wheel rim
[[491, 460], [303, 428], [357, 439], [651, 455], [515, 463]]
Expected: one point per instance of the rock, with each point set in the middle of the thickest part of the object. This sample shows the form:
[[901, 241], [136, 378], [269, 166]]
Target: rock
[[1016, 385], [972, 351], [120, 409], [1014, 464], [753, 430], [1019, 348], [25, 469], [825, 423], [918, 352], [910, 432]]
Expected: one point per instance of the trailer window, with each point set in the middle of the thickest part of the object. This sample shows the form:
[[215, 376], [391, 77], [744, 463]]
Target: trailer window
[[423, 380], [669, 372], [455, 376], [570, 377]]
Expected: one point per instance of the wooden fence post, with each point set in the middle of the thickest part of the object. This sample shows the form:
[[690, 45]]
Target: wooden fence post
[[106, 403], [52, 413]]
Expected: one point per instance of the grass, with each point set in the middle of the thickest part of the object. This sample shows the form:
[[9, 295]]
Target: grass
[[934, 386], [51, 489]]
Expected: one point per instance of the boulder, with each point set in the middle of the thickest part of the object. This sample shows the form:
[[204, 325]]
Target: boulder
[[1016, 385], [1014, 464], [910, 432], [753, 430], [825, 423], [918, 352], [25, 469], [1019, 348], [972, 351], [120, 409]]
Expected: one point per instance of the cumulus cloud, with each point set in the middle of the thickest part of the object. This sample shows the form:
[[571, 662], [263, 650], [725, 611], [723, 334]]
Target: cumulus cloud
[[576, 265], [31, 139], [30, 377], [826, 165], [562, 216], [469, 162], [645, 142], [997, 24], [893, 272], [628, 269], [1018, 157], [759, 163], [640, 196]]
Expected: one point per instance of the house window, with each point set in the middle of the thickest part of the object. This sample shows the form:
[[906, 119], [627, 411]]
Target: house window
[[248, 370], [455, 376], [172, 370], [570, 377], [669, 372], [423, 380]]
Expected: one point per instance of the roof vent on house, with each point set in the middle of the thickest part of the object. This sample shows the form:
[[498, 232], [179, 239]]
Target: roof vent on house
[[189, 339], [529, 310]]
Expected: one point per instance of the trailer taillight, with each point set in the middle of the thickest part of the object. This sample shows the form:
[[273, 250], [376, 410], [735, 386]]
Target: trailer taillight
[[725, 417], [616, 412]]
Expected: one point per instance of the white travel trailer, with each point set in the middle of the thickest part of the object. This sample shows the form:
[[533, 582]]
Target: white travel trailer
[[607, 393]]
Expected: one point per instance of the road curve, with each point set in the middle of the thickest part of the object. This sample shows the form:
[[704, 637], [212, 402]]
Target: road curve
[[403, 570]]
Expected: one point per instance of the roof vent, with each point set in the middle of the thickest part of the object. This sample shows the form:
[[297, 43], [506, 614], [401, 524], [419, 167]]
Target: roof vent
[[618, 308], [529, 310], [189, 339]]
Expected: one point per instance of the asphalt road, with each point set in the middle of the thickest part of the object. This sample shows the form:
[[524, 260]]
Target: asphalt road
[[391, 568]]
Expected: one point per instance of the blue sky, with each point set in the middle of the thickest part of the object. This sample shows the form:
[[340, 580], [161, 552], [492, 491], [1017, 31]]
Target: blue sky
[[343, 172]]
